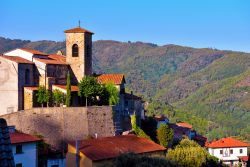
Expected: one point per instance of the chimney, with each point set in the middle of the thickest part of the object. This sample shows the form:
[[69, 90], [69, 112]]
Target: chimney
[[96, 135]]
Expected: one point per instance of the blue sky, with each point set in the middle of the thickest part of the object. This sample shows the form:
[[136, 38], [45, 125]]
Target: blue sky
[[221, 24]]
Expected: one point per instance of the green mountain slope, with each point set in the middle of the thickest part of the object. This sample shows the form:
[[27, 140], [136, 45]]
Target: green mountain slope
[[206, 87]]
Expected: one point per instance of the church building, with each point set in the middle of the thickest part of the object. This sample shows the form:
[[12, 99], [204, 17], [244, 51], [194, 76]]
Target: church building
[[23, 70]]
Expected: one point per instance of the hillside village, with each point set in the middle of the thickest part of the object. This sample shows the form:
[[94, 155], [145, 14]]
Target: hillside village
[[90, 128]]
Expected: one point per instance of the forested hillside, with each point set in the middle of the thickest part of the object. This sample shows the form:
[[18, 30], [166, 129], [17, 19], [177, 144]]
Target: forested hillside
[[206, 87]]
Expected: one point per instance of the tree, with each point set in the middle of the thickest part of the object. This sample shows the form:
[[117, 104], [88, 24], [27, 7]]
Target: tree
[[138, 131], [190, 154], [58, 96], [164, 135], [111, 93], [89, 87], [43, 95], [68, 87]]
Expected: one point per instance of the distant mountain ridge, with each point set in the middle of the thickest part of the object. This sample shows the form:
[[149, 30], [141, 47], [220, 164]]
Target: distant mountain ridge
[[208, 88]]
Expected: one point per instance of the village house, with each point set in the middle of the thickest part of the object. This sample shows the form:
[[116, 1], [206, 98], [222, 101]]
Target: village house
[[93, 152], [24, 149], [23, 70], [230, 151]]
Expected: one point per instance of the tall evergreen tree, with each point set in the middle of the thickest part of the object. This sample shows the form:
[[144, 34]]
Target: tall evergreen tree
[[68, 95], [164, 135]]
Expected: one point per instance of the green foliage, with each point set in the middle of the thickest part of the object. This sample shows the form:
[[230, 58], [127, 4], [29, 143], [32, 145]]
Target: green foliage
[[68, 87], [201, 84], [138, 131], [58, 96], [135, 160], [164, 135], [43, 95], [89, 87], [110, 94], [190, 154], [133, 122]]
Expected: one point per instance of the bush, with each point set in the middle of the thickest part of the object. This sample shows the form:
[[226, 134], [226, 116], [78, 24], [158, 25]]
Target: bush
[[58, 97], [164, 135], [43, 95], [190, 154], [138, 131]]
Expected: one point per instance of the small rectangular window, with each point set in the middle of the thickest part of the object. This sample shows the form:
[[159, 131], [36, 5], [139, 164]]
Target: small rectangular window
[[241, 151], [231, 151], [19, 165], [19, 149], [221, 151]]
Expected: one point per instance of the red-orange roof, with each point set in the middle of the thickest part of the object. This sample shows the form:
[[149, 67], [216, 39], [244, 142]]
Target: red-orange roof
[[111, 147], [227, 142], [35, 52], [18, 59], [53, 59], [116, 79], [185, 124], [74, 88], [78, 30], [16, 138], [31, 88], [244, 158]]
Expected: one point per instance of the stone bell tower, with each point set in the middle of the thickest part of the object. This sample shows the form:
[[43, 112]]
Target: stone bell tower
[[79, 51]]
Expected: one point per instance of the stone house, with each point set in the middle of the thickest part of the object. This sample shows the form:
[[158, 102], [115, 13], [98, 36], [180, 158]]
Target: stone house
[[94, 152], [22, 70]]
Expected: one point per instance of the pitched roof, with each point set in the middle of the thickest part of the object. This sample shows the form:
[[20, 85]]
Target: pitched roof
[[17, 59], [111, 147], [116, 79], [227, 142], [16, 138], [32, 88], [185, 125], [78, 30], [74, 88], [35, 52], [244, 158], [53, 59]]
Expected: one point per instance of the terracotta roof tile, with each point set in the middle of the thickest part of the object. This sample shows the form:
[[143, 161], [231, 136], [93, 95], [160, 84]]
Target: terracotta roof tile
[[185, 125], [244, 158], [17, 59], [116, 79], [31, 88], [227, 142], [17, 137], [78, 30], [35, 52], [111, 147], [53, 59], [74, 88]]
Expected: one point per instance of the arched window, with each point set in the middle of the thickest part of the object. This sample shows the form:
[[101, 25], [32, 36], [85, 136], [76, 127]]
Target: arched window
[[75, 50], [27, 76]]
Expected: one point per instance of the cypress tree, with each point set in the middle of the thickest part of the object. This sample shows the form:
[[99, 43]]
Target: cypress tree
[[68, 95]]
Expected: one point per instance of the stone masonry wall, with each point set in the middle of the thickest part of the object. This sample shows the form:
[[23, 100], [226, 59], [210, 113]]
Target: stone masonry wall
[[58, 125]]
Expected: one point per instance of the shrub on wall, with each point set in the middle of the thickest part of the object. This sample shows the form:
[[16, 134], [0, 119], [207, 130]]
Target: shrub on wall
[[43, 95]]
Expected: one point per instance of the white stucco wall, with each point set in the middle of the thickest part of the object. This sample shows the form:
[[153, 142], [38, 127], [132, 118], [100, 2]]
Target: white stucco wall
[[20, 53], [29, 156], [228, 157], [8, 86]]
